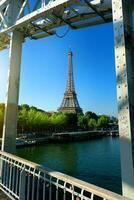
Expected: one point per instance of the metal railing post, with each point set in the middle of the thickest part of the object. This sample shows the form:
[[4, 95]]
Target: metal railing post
[[22, 185], [24, 180]]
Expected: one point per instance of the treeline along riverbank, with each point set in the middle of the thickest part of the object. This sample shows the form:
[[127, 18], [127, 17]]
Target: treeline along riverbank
[[41, 123]]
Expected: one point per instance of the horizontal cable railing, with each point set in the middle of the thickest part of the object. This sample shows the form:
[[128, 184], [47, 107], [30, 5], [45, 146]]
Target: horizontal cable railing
[[25, 180]]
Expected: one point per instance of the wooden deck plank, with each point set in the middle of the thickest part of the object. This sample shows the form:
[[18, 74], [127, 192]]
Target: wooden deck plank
[[3, 196]]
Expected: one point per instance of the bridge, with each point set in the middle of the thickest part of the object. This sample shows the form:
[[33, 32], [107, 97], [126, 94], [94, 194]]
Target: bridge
[[22, 19], [26, 180]]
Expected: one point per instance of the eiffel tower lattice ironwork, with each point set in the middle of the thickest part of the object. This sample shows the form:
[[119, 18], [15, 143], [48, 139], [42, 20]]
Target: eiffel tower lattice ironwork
[[70, 102]]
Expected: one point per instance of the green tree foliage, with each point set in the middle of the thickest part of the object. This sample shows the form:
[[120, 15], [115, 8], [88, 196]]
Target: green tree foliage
[[1, 121], [82, 122], [103, 121], [72, 119], [92, 123], [91, 115], [34, 120], [58, 121], [2, 107], [22, 119]]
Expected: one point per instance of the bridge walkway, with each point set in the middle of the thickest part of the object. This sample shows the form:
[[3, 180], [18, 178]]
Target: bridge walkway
[[3, 196]]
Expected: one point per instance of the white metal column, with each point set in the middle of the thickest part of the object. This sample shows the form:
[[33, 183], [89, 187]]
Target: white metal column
[[122, 23], [11, 105], [10, 121]]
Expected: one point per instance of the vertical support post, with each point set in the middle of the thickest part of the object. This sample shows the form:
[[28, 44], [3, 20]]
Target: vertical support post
[[22, 185], [10, 121], [122, 23]]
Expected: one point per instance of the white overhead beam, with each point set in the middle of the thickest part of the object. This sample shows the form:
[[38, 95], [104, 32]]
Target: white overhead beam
[[84, 16], [2, 2], [39, 13]]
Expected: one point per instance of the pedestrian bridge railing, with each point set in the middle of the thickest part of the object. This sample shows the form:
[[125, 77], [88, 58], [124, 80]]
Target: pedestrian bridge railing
[[25, 180]]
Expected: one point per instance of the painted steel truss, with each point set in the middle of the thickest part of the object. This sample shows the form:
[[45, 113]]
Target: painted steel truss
[[37, 20], [20, 19]]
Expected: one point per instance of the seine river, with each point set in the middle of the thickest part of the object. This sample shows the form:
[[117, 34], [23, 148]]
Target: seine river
[[95, 161]]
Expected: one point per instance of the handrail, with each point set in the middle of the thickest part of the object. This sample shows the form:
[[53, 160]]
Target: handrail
[[35, 170]]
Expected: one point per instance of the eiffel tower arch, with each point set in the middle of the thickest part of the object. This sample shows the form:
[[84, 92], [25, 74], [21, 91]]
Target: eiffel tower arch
[[70, 102]]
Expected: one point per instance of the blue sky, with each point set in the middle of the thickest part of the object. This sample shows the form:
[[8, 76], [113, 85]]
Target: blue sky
[[44, 70]]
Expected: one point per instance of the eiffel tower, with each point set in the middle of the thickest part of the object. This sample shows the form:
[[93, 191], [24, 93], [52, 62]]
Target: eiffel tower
[[70, 103]]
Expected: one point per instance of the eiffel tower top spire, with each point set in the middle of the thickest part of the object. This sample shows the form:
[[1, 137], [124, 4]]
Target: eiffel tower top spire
[[70, 103], [70, 80]]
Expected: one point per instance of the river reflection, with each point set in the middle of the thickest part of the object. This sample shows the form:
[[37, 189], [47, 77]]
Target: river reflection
[[95, 161]]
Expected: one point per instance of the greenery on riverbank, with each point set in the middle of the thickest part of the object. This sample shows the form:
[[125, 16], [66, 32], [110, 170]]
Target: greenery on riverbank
[[31, 119]]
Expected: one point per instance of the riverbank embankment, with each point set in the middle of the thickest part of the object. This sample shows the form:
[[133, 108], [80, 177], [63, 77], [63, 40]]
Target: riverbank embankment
[[64, 137]]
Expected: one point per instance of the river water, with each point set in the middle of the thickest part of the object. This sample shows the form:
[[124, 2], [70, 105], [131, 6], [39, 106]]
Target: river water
[[95, 161]]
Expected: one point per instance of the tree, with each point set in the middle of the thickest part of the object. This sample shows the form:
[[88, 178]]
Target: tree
[[22, 120], [91, 115], [25, 106], [42, 122], [2, 107], [72, 120], [1, 121], [103, 121], [34, 120], [59, 121], [82, 122], [92, 123]]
